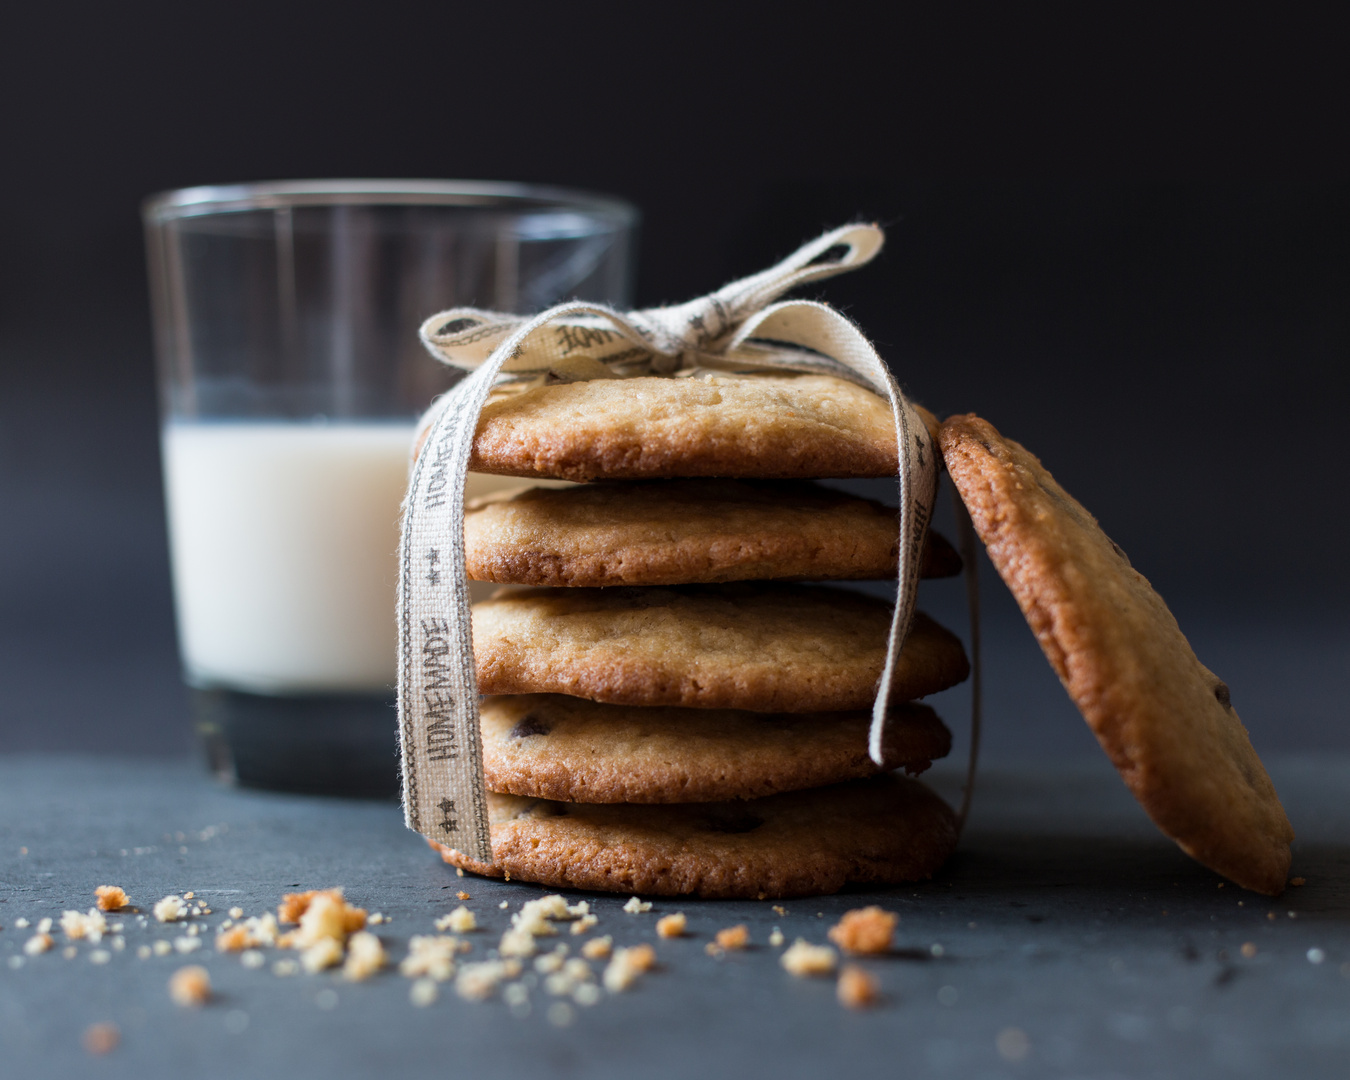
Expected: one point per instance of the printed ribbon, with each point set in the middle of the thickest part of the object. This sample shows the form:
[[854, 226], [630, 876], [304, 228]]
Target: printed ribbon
[[739, 328]]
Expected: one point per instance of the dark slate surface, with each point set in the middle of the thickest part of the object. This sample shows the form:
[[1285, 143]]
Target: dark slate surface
[[1064, 916]]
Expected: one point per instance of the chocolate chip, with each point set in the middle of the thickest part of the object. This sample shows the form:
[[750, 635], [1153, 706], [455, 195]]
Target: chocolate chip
[[732, 820], [530, 725], [1225, 699]]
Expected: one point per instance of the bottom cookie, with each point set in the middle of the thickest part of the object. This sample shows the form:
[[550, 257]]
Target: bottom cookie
[[880, 831]]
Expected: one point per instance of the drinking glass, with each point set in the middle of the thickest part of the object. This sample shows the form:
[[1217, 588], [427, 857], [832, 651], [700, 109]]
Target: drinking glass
[[291, 376]]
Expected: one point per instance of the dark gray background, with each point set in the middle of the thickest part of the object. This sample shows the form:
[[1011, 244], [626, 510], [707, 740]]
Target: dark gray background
[[1124, 243]]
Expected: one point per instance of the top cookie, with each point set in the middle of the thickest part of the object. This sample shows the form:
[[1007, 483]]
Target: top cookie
[[673, 532], [775, 426], [1164, 719]]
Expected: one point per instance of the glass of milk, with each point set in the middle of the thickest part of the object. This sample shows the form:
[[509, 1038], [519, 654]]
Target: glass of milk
[[291, 376]]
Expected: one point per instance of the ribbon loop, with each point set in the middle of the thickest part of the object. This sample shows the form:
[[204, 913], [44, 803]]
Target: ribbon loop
[[663, 339]]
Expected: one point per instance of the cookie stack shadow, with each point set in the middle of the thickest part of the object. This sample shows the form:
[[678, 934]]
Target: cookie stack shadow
[[674, 705]]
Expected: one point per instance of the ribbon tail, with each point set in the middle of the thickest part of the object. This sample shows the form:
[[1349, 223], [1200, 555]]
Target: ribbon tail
[[828, 333]]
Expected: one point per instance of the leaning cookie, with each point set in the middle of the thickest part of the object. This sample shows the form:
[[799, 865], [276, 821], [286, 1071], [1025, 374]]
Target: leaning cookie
[[1164, 719], [549, 746], [767, 647], [777, 426], [674, 532], [881, 831]]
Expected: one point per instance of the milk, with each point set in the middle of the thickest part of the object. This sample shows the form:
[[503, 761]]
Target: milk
[[284, 538]]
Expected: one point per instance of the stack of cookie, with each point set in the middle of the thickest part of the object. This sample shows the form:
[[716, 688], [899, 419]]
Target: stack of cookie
[[670, 710]]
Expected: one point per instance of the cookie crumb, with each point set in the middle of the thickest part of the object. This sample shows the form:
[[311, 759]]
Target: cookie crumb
[[1297, 881], [186, 944], [365, 956], [1249, 949], [516, 942], [284, 968], [597, 948], [779, 910], [100, 956], [20, 924], [430, 957], [461, 895], [865, 930], [70, 952], [111, 898], [234, 940], [584, 923], [324, 953], [252, 958], [672, 925], [775, 937], [101, 1039], [626, 965], [88, 927], [326, 915], [578, 970], [162, 948], [733, 937], [376, 918], [170, 909], [477, 982], [804, 959], [38, 943], [190, 986], [293, 905], [236, 913], [636, 906], [587, 994], [44, 926], [856, 989], [461, 921], [423, 992]]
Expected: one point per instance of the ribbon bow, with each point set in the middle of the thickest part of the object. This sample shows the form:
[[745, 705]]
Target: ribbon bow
[[736, 328]]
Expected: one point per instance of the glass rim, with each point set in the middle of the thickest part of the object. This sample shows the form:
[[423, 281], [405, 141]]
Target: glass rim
[[180, 203]]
